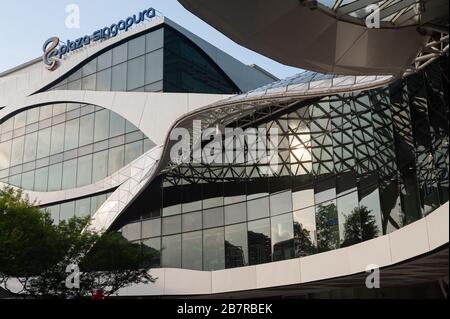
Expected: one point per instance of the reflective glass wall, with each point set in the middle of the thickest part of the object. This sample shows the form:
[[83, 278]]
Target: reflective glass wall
[[63, 146], [352, 167], [160, 60]]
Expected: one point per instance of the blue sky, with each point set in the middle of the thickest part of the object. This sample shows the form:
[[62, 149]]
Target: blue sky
[[26, 24]]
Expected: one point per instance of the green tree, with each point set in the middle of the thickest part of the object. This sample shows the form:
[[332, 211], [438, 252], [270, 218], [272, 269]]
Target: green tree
[[35, 253], [359, 226], [327, 227]]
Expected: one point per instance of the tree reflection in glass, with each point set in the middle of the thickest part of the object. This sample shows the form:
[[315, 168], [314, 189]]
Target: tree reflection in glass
[[359, 226], [327, 227]]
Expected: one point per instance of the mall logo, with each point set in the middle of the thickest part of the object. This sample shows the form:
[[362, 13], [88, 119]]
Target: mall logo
[[226, 146], [54, 50]]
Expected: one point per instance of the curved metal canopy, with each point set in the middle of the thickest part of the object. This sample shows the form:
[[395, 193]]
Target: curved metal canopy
[[331, 36]]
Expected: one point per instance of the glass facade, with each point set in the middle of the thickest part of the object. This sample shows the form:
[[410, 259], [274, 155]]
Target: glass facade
[[160, 60], [354, 166], [64, 146]]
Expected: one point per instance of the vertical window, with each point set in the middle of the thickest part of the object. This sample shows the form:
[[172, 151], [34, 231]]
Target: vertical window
[[192, 251], [136, 47], [119, 77], [5, 154], [30, 147], [236, 247], [104, 80], [305, 232], [154, 66], [116, 158], [40, 179], [83, 207], [55, 177], [104, 60], [282, 237], [57, 142], [84, 176], [117, 125], [171, 251], [153, 247], [101, 125], [86, 129], [100, 166], [69, 174], [28, 180], [71, 134], [132, 151], [136, 73], [44, 143], [67, 211], [119, 54], [17, 150], [259, 245], [213, 249]]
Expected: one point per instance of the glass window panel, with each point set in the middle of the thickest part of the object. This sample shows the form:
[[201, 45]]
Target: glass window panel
[[370, 214], [17, 150], [258, 208], [153, 247], [89, 68], [28, 180], [171, 225], [86, 129], [40, 179], [130, 127], [259, 243], [104, 60], [101, 125], [192, 251], [5, 154], [132, 231], [117, 125], [88, 83], [171, 201], [302, 199], [192, 197], [236, 213], [84, 176], [83, 207], [327, 226], [20, 120], [115, 160], [30, 147], [281, 203], [136, 73], [133, 151], [44, 143], [348, 218], [155, 40], [171, 251], [69, 174], [148, 145], [104, 80], [151, 228], [213, 217], [305, 232], [192, 221], [282, 237], [154, 66], [55, 177], [32, 115], [136, 47], [57, 144], [212, 195], [119, 54], [119, 77], [236, 247], [100, 166], [67, 211], [213, 249], [45, 112], [71, 134]]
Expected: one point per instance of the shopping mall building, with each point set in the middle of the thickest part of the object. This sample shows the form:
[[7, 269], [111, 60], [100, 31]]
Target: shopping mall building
[[362, 147]]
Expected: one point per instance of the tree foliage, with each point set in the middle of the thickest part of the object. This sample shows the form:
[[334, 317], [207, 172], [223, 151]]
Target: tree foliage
[[35, 253], [359, 226]]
